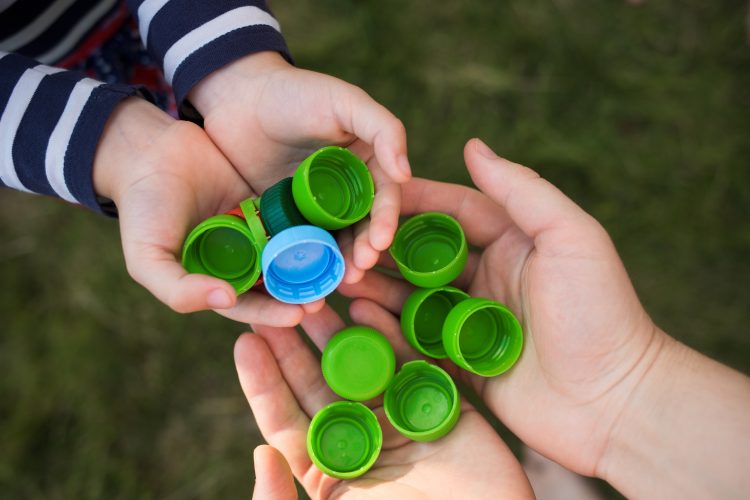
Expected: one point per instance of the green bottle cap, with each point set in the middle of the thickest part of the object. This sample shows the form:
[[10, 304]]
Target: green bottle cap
[[358, 363], [251, 212], [430, 249], [224, 246], [482, 336], [278, 209], [344, 439], [422, 402], [333, 188], [423, 315]]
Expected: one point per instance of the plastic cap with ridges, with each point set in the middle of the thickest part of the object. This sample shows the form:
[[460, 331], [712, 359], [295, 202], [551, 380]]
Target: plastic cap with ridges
[[224, 246], [333, 188], [278, 210], [422, 402], [344, 439], [482, 336], [302, 264], [430, 249], [423, 315]]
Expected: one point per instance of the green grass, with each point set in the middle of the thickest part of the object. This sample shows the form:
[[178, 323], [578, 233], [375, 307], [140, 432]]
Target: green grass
[[639, 113]]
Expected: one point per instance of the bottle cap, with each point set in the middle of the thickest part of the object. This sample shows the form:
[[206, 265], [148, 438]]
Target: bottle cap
[[302, 264], [333, 188], [224, 246], [344, 439], [482, 336], [430, 249], [278, 209], [251, 213], [423, 315], [422, 402], [358, 363]]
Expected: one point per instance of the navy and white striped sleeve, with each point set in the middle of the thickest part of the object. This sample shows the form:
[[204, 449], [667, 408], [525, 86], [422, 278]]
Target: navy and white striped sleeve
[[50, 124], [192, 38]]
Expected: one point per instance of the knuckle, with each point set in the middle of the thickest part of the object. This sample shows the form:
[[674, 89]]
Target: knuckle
[[398, 126]]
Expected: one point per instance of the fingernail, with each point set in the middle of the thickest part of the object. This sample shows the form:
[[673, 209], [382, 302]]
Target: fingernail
[[403, 165], [219, 299], [484, 150]]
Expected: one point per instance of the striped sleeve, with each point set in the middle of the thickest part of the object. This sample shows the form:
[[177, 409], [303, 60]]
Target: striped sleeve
[[50, 124], [192, 38]]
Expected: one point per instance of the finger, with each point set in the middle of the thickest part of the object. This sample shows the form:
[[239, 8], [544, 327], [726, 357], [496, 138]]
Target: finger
[[375, 234], [321, 326], [273, 477], [360, 114], [482, 219], [280, 419], [535, 206], [299, 367], [365, 256], [355, 274], [387, 291], [259, 308], [313, 307], [368, 313], [345, 240], [157, 269], [385, 209]]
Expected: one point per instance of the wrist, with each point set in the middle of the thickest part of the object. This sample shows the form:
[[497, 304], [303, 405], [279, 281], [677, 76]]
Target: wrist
[[684, 430], [131, 129], [640, 403], [217, 86]]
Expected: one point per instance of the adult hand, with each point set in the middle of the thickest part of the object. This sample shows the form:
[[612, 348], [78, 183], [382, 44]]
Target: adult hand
[[165, 176], [267, 116], [283, 383], [588, 340]]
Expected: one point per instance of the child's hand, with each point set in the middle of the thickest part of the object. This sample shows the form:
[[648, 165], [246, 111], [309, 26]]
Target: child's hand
[[588, 340], [283, 383], [165, 176], [266, 116]]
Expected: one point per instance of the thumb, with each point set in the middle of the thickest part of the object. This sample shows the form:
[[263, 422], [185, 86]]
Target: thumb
[[533, 203], [273, 477], [157, 269]]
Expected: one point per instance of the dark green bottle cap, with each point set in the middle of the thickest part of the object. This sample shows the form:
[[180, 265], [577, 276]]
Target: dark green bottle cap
[[482, 336], [423, 315], [430, 249], [344, 439], [278, 210], [358, 363], [333, 188], [422, 402]]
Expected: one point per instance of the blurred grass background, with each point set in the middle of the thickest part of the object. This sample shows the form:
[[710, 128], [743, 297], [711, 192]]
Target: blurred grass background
[[641, 113]]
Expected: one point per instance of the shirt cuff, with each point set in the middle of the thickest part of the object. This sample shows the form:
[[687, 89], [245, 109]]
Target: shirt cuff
[[51, 123], [192, 39]]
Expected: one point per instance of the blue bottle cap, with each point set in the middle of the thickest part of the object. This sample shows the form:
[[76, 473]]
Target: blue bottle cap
[[302, 264]]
